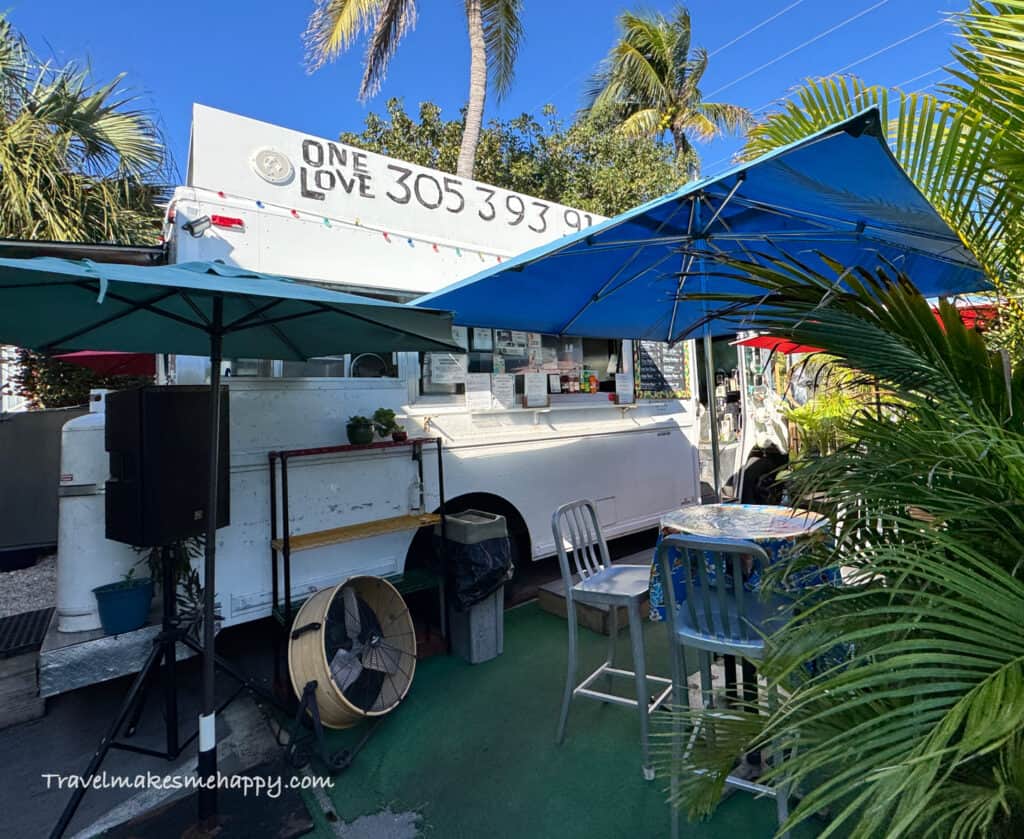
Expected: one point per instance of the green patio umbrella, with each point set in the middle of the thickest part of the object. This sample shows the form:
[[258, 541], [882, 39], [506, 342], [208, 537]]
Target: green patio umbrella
[[209, 309]]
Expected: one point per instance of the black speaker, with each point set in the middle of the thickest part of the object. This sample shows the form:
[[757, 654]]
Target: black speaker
[[158, 438]]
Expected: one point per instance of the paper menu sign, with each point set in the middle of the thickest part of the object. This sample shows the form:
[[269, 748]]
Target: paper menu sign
[[536, 387], [503, 389], [478, 391], [482, 340], [624, 388], [447, 368], [460, 335]]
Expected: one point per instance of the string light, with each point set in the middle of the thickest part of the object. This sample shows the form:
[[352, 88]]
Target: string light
[[387, 236]]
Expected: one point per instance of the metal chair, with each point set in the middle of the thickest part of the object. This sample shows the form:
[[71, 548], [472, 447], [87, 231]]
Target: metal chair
[[718, 616], [595, 581]]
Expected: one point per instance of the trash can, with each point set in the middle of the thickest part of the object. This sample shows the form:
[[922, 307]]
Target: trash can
[[478, 556]]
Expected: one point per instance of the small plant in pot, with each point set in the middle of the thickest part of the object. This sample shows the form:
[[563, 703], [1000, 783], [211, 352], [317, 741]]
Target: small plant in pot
[[124, 605], [360, 431], [386, 425]]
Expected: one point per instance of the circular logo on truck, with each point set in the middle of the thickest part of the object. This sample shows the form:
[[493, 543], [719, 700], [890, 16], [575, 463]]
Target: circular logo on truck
[[272, 165]]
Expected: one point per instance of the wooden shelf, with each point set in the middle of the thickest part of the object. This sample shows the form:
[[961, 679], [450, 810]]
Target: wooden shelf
[[348, 533]]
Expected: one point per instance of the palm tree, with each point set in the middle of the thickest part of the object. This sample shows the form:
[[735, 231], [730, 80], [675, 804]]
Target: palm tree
[[495, 33], [79, 162], [905, 701], [904, 706], [651, 78]]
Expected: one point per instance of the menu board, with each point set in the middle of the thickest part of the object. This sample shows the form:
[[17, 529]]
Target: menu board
[[478, 391], [661, 371]]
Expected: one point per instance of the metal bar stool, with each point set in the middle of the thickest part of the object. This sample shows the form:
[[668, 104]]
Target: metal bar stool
[[717, 617], [595, 581]]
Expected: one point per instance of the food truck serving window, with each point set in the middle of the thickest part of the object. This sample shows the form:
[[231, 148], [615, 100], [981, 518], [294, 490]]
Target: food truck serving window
[[570, 365], [360, 366]]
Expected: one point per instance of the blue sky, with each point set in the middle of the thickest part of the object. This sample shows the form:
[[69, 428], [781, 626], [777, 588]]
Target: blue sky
[[247, 56]]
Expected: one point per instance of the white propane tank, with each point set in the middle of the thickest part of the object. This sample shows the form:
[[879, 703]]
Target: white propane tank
[[85, 557]]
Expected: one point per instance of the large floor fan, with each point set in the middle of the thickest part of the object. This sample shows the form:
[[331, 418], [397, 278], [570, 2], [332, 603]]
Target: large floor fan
[[357, 642]]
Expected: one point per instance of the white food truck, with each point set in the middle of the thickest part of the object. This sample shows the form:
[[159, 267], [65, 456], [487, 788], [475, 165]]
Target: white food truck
[[528, 421]]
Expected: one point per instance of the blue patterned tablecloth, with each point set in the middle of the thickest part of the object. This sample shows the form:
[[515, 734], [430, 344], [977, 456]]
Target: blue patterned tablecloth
[[780, 531]]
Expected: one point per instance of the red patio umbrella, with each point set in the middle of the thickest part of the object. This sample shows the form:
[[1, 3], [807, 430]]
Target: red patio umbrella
[[974, 317], [778, 343], [112, 363]]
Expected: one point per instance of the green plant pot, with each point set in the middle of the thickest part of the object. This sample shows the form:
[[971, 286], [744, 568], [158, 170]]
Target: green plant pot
[[124, 606], [359, 435]]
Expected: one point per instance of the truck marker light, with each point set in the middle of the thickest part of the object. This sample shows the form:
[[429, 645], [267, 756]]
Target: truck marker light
[[295, 213], [229, 222]]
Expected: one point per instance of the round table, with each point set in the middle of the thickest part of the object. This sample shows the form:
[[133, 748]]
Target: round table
[[780, 531]]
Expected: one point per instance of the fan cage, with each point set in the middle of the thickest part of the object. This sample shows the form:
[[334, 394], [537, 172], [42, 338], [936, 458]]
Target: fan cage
[[309, 658]]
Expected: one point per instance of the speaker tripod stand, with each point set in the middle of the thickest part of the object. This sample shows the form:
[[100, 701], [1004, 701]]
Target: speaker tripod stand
[[160, 666]]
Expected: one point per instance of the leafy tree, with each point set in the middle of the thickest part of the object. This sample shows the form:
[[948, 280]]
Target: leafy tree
[[652, 79], [495, 33], [49, 383], [585, 165], [79, 162]]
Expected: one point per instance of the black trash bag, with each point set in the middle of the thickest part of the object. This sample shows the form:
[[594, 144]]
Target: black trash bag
[[477, 571]]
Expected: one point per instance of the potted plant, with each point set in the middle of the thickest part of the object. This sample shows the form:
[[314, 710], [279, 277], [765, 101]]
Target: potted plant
[[385, 424], [360, 430], [124, 605]]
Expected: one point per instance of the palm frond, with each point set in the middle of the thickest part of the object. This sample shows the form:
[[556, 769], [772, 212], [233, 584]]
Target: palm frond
[[723, 117], [503, 35], [905, 688], [395, 20], [642, 123], [335, 25]]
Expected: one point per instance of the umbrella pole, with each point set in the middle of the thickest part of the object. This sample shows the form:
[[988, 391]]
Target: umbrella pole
[[207, 763], [709, 373]]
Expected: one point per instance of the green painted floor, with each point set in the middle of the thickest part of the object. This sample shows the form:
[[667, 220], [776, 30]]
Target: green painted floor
[[472, 751]]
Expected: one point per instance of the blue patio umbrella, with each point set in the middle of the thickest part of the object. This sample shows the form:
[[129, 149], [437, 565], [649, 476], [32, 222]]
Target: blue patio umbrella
[[838, 194], [199, 308]]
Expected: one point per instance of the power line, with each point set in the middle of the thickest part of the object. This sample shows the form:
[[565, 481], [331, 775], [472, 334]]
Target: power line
[[933, 84], [889, 47], [754, 29], [874, 54], [921, 76], [795, 49], [714, 52]]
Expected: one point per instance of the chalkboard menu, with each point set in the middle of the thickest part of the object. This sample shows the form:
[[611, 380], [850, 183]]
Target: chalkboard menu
[[661, 371]]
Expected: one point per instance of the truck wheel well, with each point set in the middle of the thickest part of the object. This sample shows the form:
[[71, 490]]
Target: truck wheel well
[[422, 546]]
